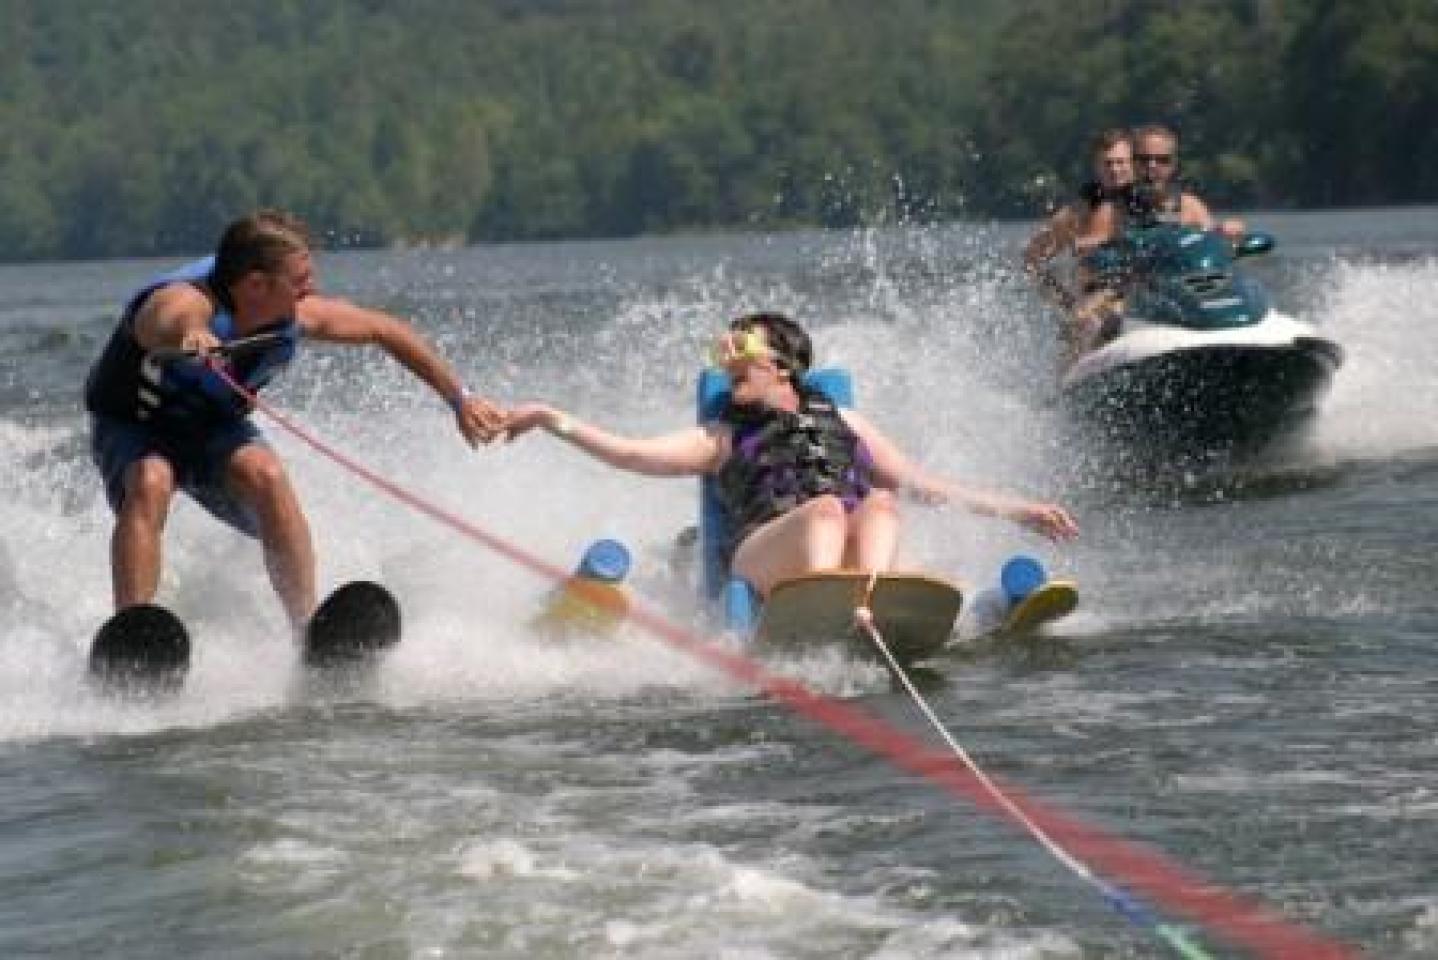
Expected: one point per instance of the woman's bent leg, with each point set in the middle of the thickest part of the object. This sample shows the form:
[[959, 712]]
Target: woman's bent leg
[[810, 537], [873, 532]]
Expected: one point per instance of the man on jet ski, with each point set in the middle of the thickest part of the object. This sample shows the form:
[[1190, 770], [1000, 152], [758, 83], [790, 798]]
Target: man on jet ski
[[1157, 195]]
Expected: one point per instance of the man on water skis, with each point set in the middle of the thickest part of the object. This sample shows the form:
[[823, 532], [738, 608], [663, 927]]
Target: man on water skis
[[160, 425]]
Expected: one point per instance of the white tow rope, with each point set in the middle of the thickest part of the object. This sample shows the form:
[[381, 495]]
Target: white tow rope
[[1120, 900]]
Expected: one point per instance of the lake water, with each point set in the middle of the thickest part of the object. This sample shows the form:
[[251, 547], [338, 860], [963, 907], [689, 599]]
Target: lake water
[[1248, 687]]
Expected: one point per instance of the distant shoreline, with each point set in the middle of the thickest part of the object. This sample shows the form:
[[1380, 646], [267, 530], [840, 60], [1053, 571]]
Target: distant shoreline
[[454, 243]]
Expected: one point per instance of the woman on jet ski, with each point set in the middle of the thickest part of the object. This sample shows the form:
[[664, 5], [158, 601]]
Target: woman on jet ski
[[1088, 305]]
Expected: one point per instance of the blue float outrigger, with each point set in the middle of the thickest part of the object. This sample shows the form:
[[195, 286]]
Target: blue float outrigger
[[734, 601]]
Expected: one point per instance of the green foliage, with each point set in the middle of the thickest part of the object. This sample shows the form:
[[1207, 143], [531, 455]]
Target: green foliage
[[1365, 91], [141, 128]]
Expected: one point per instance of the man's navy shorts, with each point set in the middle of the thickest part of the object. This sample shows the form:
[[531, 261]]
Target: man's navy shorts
[[198, 462]]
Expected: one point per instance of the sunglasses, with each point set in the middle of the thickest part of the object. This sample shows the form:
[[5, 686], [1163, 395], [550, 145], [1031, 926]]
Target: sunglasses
[[1166, 159], [739, 346]]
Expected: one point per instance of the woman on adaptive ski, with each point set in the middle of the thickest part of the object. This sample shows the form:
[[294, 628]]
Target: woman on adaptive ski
[[807, 486], [159, 426]]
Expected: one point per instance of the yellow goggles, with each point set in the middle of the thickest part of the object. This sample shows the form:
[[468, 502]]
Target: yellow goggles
[[738, 346]]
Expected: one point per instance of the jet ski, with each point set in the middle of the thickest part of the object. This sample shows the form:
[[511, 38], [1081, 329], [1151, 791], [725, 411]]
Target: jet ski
[[1197, 366]]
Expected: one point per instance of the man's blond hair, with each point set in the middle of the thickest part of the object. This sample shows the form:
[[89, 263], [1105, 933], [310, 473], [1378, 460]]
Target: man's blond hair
[[257, 241]]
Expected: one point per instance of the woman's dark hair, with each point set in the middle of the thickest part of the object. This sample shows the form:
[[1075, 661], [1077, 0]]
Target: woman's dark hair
[[1106, 140], [794, 350]]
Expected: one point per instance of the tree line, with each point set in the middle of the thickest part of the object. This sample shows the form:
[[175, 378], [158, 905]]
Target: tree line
[[141, 128]]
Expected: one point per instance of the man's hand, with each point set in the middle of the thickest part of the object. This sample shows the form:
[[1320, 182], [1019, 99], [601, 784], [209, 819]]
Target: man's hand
[[200, 342], [1233, 230], [479, 420]]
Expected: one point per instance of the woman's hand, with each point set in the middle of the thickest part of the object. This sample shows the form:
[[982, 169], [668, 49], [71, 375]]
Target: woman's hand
[[527, 416], [1048, 519]]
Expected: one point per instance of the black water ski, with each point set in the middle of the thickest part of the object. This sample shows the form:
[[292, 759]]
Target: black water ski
[[353, 626], [143, 648]]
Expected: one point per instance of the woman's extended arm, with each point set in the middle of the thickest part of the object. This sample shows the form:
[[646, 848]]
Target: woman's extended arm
[[894, 470], [696, 450]]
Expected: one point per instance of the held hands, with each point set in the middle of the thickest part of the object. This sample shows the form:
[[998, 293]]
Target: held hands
[[479, 420], [528, 416]]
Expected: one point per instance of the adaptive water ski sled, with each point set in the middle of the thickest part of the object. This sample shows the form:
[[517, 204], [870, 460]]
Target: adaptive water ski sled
[[915, 612]]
